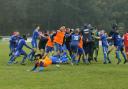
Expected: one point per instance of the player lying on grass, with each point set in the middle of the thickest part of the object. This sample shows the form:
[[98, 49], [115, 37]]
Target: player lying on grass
[[19, 50], [42, 63]]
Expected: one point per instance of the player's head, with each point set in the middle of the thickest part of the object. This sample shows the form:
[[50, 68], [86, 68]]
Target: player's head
[[85, 26], [62, 29], [45, 32], [68, 30], [37, 28], [102, 32], [114, 26], [17, 33], [40, 32], [77, 30], [14, 33], [50, 32], [38, 56], [72, 30], [46, 35], [89, 26]]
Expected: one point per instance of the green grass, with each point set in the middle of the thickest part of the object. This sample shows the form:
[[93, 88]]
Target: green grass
[[94, 76]]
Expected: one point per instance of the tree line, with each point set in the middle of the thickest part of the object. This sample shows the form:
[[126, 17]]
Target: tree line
[[22, 15]]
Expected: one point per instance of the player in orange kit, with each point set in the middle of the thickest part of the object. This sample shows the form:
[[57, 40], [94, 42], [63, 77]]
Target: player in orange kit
[[41, 63], [126, 43], [49, 45], [58, 40], [81, 50]]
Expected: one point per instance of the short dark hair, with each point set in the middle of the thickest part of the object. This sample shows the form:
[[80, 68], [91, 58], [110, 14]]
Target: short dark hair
[[37, 56], [24, 36]]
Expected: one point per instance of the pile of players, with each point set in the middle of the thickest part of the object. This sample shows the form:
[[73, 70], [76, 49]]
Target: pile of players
[[67, 45]]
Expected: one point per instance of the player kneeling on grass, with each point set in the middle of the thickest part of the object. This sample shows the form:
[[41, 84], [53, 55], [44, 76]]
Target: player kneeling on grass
[[19, 50]]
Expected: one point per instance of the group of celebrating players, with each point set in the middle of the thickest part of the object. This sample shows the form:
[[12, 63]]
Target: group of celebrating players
[[68, 45]]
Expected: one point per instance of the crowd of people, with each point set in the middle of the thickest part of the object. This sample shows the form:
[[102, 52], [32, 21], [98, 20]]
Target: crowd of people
[[67, 45]]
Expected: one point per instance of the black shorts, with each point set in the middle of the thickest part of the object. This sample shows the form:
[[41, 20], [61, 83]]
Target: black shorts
[[88, 48], [41, 46]]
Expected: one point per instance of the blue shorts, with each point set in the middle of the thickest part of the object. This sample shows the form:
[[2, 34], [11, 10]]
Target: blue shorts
[[74, 48], [80, 51], [57, 47], [20, 52], [67, 46], [34, 44], [48, 49], [105, 50], [64, 59], [12, 47], [120, 48], [55, 60]]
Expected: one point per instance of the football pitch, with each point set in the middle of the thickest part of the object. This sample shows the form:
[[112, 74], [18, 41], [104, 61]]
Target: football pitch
[[82, 76]]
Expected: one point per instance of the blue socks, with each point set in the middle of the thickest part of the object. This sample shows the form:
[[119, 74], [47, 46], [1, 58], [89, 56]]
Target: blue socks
[[124, 55], [31, 55], [41, 69], [118, 56], [11, 59], [24, 58]]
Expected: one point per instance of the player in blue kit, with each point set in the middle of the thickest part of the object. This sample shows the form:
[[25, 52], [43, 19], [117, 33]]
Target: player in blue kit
[[19, 50], [75, 39], [13, 42], [34, 42], [118, 43], [103, 37], [35, 37]]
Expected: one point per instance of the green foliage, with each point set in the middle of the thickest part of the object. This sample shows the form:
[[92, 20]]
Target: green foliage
[[23, 14], [0, 38]]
